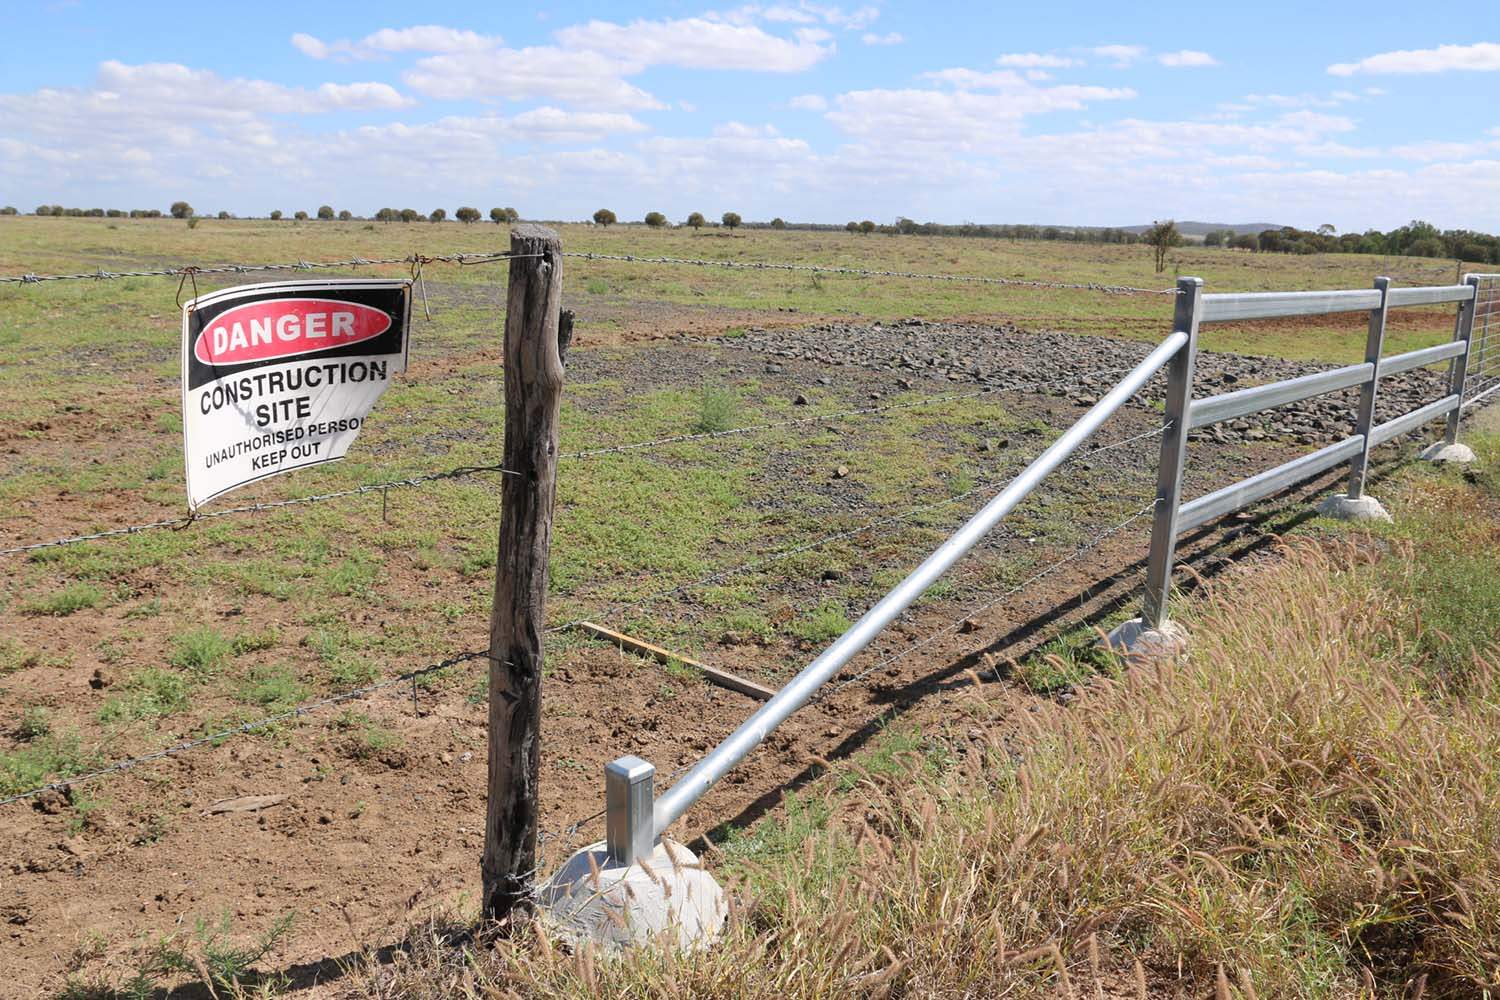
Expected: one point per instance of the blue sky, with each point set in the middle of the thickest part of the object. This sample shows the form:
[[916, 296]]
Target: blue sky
[[1355, 114]]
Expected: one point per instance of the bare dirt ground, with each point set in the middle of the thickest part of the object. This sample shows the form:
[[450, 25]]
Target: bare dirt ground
[[365, 840]]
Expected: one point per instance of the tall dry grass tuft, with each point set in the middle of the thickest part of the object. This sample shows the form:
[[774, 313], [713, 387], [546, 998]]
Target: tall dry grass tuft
[[1294, 810]]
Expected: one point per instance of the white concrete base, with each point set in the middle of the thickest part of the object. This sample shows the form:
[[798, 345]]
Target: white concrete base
[[670, 896], [1366, 508], [1459, 454], [1134, 639]]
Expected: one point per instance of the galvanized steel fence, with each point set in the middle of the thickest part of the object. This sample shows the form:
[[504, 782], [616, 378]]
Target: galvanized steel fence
[[636, 817]]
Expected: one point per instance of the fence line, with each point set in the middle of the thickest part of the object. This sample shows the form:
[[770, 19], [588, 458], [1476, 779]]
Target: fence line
[[870, 273], [838, 536], [416, 260], [248, 727], [178, 523]]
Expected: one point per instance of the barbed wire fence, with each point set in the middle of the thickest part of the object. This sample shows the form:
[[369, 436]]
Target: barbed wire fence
[[415, 262]]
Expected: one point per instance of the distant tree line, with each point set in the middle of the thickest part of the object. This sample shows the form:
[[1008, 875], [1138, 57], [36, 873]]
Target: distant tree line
[[1415, 239], [183, 210]]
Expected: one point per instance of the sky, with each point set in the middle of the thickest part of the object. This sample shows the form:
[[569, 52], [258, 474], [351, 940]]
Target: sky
[[1357, 115]]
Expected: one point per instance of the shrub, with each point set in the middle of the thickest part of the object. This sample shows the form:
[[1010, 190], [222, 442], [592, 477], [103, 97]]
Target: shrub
[[717, 410], [438, 215], [181, 210], [300, 216], [867, 227], [275, 214], [74, 597], [731, 219], [325, 212], [604, 217], [9, 210], [778, 223], [345, 215], [655, 220]]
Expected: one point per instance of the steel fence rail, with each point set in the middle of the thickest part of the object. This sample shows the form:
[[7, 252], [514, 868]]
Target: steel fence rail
[[633, 839], [411, 676]]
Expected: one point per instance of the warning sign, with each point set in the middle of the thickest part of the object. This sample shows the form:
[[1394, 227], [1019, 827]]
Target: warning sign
[[281, 376]]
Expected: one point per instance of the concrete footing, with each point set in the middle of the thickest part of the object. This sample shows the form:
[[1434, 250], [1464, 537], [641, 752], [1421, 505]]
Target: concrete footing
[[668, 896], [1341, 507], [1134, 638], [1458, 454]]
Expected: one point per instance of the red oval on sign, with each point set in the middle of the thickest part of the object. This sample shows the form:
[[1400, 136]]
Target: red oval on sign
[[284, 328]]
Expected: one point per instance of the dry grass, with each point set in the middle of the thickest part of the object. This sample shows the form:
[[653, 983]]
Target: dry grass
[[1299, 809]]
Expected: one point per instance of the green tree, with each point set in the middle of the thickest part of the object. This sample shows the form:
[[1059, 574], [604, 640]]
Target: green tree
[[1163, 236], [181, 210], [604, 217], [730, 219], [300, 216], [275, 214], [44, 210], [778, 223], [467, 214], [224, 215], [511, 215], [851, 227], [325, 212], [9, 210], [410, 215], [497, 215], [655, 220], [345, 215], [437, 215], [867, 227], [696, 220]]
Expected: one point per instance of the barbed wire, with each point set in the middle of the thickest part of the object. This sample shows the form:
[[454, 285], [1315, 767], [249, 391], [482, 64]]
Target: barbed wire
[[410, 676], [416, 260], [865, 272], [188, 270], [838, 536], [178, 523], [817, 418], [958, 623]]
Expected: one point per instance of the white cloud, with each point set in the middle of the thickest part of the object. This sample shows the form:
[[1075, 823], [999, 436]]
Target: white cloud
[[544, 72], [1121, 56], [1481, 56], [1035, 60], [420, 38], [1433, 151], [891, 38], [699, 43], [809, 102], [1186, 58], [982, 111]]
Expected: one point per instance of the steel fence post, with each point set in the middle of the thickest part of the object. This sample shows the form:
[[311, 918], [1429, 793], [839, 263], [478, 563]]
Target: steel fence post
[[1458, 373], [1365, 417], [1186, 319], [629, 803]]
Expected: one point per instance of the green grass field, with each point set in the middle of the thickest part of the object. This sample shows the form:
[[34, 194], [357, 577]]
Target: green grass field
[[67, 245]]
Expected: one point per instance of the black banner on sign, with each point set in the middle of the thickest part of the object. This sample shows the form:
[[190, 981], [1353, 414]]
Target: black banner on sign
[[281, 376]]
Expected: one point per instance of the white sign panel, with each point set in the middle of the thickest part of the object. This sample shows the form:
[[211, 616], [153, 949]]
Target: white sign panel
[[281, 376]]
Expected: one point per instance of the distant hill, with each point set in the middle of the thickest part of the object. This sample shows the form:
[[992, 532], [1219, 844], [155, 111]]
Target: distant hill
[[1202, 228]]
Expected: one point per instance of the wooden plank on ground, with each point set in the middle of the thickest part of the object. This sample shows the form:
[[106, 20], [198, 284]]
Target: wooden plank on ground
[[723, 678]]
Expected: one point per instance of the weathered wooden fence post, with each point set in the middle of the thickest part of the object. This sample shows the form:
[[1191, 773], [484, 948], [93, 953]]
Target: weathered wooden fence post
[[533, 396]]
